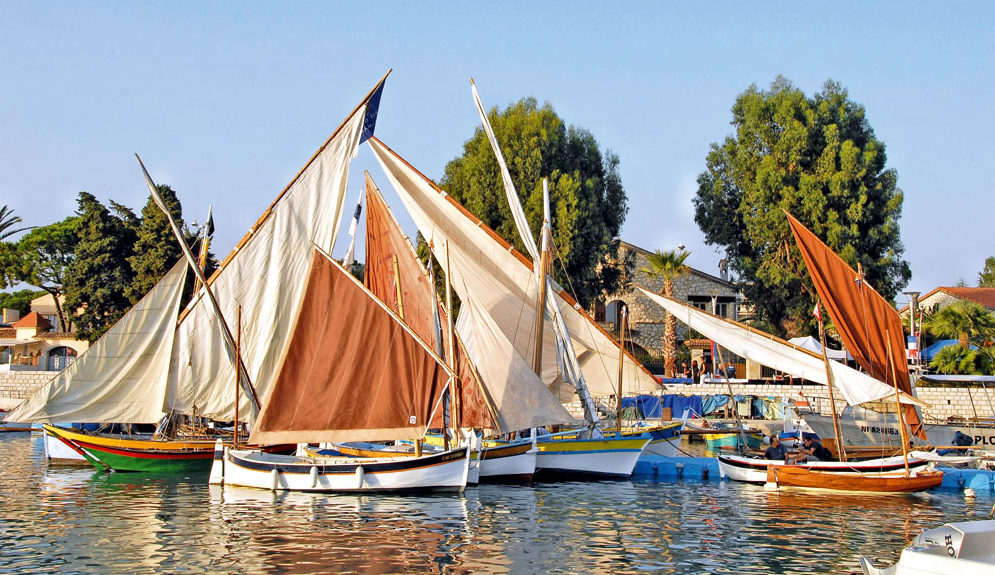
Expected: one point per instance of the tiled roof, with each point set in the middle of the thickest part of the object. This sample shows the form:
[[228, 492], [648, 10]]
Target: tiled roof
[[7, 333], [56, 335], [702, 343], [981, 295], [33, 319]]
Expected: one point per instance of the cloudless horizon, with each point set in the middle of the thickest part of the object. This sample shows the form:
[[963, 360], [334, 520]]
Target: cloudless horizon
[[225, 102]]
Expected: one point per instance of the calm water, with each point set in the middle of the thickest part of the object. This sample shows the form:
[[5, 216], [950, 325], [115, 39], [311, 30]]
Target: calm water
[[84, 521]]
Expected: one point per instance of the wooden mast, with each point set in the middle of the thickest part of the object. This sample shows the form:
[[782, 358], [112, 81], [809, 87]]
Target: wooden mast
[[621, 362], [898, 405], [840, 449], [454, 419], [238, 373]]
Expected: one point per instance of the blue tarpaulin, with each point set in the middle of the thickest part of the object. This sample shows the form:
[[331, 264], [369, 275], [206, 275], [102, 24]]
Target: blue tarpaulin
[[678, 403]]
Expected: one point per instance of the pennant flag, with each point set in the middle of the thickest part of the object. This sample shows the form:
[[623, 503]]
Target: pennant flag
[[817, 312], [350, 254], [209, 226], [372, 109]]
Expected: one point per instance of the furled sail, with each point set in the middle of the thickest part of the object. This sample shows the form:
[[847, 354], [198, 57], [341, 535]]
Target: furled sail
[[263, 276], [512, 397], [503, 281], [774, 352], [870, 327], [122, 377], [353, 371]]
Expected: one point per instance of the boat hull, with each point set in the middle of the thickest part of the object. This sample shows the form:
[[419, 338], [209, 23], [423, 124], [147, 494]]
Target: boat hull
[[588, 458], [754, 470], [717, 441], [794, 476], [59, 451], [512, 462], [124, 453], [446, 471]]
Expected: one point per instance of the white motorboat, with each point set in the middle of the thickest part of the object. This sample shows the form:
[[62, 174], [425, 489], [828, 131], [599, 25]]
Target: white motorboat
[[955, 548]]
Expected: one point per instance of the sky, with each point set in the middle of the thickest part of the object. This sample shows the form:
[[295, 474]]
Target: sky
[[226, 101]]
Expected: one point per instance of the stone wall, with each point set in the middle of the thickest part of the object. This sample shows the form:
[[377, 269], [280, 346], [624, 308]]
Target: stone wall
[[19, 385]]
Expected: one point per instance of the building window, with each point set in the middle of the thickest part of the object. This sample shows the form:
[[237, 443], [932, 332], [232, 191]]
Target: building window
[[59, 358], [700, 305], [722, 309], [5, 355]]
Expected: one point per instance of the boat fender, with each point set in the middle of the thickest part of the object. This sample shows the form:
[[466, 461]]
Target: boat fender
[[360, 475], [275, 476], [314, 476], [969, 493]]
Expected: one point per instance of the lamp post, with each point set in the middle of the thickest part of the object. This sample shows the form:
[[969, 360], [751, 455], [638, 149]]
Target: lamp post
[[913, 303]]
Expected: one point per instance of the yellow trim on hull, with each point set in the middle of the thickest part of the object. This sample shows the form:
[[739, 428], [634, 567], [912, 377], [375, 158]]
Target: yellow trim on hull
[[121, 442]]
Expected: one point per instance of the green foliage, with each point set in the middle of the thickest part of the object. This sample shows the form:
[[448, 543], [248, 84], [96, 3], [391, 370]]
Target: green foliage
[[7, 221], [97, 279], [156, 249], [42, 258], [19, 300], [986, 277], [587, 201], [819, 159], [956, 360], [964, 320]]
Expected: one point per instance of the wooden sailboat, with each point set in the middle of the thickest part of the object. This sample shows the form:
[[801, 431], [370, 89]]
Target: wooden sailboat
[[187, 368], [353, 371], [493, 282], [485, 399], [867, 323]]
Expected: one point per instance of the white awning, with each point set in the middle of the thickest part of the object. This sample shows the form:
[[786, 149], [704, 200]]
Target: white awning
[[13, 342]]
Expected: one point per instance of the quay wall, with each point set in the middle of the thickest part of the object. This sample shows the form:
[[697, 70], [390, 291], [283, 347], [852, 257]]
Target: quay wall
[[16, 386]]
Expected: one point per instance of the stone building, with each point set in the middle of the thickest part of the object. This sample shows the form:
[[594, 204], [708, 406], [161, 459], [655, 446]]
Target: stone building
[[646, 319]]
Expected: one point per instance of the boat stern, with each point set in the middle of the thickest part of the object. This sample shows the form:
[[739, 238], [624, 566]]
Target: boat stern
[[218, 467]]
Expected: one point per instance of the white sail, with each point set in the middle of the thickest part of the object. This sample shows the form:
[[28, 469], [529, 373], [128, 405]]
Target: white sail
[[265, 275], [765, 349], [122, 377], [519, 396], [504, 283]]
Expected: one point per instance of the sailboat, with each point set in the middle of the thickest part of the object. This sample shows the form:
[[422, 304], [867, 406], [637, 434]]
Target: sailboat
[[497, 396], [193, 369], [872, 332], [772, 351], [496, 284], [353, 371]]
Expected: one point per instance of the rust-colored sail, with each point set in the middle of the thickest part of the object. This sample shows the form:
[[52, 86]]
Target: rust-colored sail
[[352, 371], [389, 257], [870, 327]]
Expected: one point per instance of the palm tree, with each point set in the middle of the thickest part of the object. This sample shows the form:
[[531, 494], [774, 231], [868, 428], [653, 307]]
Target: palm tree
[[955, 360], [964, 320], [668, 266], [7, 221]]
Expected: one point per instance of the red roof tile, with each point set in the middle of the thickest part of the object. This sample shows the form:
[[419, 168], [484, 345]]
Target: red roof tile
[[33, 319], [981, 295]]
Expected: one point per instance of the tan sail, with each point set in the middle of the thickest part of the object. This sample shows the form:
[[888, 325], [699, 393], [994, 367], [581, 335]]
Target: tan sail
[[352, 370], [867, 323]]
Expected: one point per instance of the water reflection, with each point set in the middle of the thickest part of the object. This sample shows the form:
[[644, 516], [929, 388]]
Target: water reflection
[[82, 520]]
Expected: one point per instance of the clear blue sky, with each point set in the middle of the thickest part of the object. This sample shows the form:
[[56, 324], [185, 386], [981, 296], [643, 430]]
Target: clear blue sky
[[226, 101]]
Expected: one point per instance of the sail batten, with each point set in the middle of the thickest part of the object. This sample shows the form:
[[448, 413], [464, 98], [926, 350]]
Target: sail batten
[[500, 278], [122, 377]]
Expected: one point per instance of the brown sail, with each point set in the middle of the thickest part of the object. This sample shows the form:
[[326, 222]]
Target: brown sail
[[352, 372], [392, 260], [870, 327]]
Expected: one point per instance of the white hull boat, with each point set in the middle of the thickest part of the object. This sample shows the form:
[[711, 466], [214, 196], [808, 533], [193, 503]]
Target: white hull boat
[[61, 452], [513, 462], [953, 549], [754, 469], [446, 471], [607, 457]]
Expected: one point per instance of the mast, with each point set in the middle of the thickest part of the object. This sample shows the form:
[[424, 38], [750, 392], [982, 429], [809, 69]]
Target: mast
[[542, 265], [205, 244], [238, 374], [840, 449], [621, 362], [743, 444], [454, 418], [898, 410], [225, 330]]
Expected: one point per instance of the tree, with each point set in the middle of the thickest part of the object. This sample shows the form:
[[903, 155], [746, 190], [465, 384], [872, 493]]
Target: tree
[[19, 300], [42, 258], [587, 200], [964, 320], [7, 221], [156, 249], [955, 360], [986, 277], [819, 159], [97, 278], [668, 266]]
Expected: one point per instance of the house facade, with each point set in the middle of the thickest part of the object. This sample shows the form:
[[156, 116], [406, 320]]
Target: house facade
[[33, 344]]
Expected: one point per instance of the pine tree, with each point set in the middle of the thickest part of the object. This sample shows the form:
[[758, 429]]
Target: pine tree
[[156, 249]]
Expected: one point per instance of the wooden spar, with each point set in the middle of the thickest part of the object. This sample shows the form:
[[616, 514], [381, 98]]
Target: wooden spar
[[840, 448], [397, 288], [225, 330], [238, 378], [898, 406], [454, 418], [621, 362], [205, 245], [540, 304], [743, 443]]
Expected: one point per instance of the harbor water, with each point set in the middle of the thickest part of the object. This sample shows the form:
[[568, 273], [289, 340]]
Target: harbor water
[[80, 520]]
